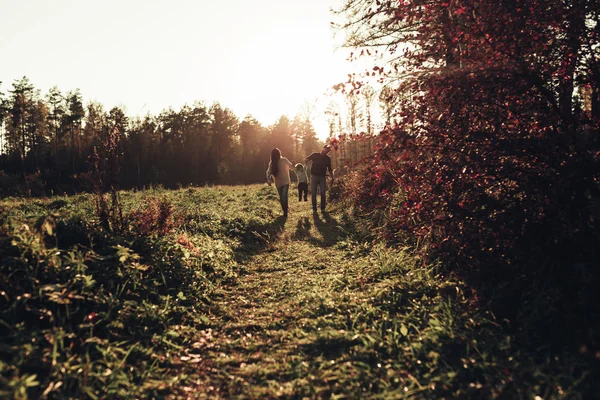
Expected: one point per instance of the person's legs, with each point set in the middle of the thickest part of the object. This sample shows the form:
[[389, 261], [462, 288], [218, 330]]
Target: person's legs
[[313, 190], [284, 200], [280, 192], [283, 197], [302, 190], [323, 189]]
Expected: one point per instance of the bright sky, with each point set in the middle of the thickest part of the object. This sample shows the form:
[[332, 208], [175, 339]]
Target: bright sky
[[263, 57]]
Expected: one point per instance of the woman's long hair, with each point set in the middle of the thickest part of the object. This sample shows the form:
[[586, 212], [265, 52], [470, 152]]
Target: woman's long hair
[[275, 156]]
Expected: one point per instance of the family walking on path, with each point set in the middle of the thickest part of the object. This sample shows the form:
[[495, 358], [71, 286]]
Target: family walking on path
[[279, 172]]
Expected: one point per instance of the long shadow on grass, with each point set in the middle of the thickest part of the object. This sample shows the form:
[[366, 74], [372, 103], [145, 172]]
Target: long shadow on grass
[[302, 229], [329, 228]]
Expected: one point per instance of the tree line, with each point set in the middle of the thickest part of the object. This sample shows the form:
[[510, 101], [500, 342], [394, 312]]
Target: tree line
[[48, 141]]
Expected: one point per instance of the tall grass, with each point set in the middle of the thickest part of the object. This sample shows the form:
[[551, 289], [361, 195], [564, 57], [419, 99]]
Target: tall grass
[[94, 312], [209, 292]]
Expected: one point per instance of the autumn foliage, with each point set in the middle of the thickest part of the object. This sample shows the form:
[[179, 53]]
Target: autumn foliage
[[494, 156]]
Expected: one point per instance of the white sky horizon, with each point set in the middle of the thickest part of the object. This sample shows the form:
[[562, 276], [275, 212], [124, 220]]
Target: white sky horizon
[[265, 58]]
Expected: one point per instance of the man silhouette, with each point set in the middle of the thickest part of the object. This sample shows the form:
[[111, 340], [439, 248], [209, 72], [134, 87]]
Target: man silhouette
[[321, 163]]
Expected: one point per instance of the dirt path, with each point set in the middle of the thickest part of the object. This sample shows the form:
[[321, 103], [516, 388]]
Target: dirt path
[[282, 320]]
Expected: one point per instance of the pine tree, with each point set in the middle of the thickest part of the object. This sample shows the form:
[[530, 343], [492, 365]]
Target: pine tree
[[20, 111], [56, 103], [75, 116]]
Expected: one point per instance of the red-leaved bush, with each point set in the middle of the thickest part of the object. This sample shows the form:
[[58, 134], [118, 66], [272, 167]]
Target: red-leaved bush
[[496, 183], [494, 155]]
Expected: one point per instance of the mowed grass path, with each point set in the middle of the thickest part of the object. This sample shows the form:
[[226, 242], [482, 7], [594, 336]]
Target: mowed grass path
[[237, 302], [317, 313], [280, 329]]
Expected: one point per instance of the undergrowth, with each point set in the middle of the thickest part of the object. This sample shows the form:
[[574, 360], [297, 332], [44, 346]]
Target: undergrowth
[[92, 313], [209, 292]]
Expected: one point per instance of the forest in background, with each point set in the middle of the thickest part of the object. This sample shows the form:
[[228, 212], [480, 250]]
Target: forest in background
[[50, 140], [47, 142]]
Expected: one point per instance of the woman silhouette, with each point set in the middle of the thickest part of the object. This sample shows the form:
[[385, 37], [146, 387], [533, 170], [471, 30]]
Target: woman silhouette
[[279, 171]]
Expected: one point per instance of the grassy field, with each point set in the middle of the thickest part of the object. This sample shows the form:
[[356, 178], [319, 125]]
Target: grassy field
[[211, 293]]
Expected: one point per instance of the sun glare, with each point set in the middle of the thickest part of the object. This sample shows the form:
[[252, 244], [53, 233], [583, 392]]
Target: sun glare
[[264, 58], [280, 74]]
